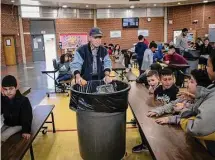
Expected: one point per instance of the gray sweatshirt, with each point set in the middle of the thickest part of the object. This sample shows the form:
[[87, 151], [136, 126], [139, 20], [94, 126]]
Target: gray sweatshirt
[[181, 42], [204, 112], [62, 68], [147, 59], [201, 95]]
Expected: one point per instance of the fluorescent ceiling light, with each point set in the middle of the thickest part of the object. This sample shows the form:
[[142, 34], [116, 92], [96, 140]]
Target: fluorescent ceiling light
[[29, 2], [205, 1], [64, 6], [179, 3], [131, 6], [12, 1], [109, 6], [155, 5], [87, 6]]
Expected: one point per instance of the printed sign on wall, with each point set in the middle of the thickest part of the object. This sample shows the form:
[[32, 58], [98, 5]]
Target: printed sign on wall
[[115, 34], [73, 40], [144, 33]]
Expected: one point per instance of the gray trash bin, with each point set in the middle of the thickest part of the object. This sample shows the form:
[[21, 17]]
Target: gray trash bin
[[101, 120]]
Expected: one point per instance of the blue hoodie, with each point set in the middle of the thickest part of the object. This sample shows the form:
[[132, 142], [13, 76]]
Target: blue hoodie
[[158, 54], [140, 49]]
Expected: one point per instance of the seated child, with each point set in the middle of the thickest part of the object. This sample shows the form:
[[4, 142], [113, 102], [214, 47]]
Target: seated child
[[153, 80], [143, 77], [16, 110], [198, 121], [64, 68], [174, 58], [196, 92], [167, 91]]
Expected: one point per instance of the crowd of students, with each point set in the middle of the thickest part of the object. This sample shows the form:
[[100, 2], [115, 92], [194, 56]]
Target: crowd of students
[[193, 109]]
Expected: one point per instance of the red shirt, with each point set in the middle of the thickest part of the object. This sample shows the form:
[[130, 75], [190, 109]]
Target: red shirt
[[175, 58], [146, 42], [110, 52]]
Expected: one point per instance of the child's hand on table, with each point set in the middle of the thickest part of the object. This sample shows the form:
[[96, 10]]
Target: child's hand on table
[[163, 120], [152, 114]]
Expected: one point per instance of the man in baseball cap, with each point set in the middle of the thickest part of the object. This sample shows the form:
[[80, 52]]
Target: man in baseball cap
[[91, 61]]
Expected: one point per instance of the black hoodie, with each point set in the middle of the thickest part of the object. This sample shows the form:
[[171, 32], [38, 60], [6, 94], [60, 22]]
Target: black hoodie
[[17, 111]]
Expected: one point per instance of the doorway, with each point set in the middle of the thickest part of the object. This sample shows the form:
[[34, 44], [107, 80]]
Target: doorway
[[9, 50], [38, 48]]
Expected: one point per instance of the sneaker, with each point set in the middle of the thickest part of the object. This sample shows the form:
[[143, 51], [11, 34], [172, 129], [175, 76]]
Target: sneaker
[[139, 148]]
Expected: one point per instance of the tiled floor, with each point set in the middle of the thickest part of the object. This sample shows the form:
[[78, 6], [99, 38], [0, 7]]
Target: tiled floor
[[63, 145]]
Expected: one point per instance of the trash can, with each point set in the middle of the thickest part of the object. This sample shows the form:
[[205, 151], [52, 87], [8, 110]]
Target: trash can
[[101, 119]]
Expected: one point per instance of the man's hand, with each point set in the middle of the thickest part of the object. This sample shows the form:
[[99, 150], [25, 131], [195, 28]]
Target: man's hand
[[163, 120], [26, 136], [79, 80], [107, 79], [152, 114]]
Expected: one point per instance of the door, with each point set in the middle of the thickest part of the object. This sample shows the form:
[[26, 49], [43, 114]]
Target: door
[[9, 50], [38, 48]]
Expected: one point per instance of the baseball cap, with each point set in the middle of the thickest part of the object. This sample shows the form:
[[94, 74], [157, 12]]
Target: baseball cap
[[95, 32]]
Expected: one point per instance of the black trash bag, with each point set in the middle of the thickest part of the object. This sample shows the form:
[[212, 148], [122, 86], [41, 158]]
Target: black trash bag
[[89, 97]]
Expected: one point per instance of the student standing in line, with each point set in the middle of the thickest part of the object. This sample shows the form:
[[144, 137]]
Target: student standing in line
[[140, 48], [182, 41], [148, 56]]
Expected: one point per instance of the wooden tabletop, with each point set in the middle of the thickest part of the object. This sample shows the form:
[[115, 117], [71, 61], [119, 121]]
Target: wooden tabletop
[[25, 90], [166, 142], [15, 147], [179, 66]]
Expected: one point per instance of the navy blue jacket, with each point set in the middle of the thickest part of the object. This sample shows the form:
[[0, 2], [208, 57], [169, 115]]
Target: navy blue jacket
[[83, 62], [140, 49]]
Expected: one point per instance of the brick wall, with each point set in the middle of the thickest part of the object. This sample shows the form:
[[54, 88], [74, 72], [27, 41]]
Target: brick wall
[[183, 16], [27, 40], [10, 26], [72, 26], [129, 36]]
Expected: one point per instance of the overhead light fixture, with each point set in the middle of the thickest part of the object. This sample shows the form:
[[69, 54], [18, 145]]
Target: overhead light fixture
[[29, 2], [87, 6], [12, 1], [205, 1], [155, 5], [179, 3], [131, 6], [64, 6], [109, 6]]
